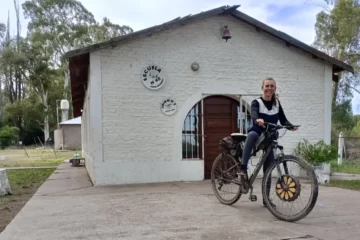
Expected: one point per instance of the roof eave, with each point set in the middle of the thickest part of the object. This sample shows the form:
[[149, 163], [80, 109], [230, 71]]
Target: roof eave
[[338, 65], [290, 41], [151, 30]]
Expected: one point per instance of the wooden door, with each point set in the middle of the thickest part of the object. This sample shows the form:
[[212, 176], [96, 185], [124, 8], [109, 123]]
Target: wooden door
[[220, 120]]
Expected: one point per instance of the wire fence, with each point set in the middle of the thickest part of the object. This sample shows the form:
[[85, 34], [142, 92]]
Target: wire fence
[[351, 148]]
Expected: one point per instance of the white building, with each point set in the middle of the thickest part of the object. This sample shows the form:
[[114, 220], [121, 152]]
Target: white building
[[134, 126], [68, 135]]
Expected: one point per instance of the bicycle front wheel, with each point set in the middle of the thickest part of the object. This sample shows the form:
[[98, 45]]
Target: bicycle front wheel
[[295, 188], [224, 179]]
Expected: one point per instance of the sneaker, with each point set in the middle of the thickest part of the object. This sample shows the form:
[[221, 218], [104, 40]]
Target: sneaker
[[242, 172], [242, 177], [271, 203]]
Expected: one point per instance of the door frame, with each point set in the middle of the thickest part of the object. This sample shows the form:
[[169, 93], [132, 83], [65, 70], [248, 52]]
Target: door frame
[[230, 103]]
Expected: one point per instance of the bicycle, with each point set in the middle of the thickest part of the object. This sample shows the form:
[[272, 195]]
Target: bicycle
[[288, 187]]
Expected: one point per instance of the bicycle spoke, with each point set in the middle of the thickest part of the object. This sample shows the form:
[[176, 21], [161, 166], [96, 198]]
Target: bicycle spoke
[[296, 198], [224, 175]]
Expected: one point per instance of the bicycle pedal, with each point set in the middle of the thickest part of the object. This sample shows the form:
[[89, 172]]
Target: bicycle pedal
[[253, 198]]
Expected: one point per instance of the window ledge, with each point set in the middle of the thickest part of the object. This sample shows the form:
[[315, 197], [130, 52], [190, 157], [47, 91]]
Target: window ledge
[[192, 159]]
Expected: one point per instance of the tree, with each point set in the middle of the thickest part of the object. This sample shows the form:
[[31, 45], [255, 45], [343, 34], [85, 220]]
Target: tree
[[2, 38], [33, 69], [2, 31], [338, 34], [9, 72], [331, 1], [66, 24], [40, 74], [7, 136], [334, 2], [105, 31]]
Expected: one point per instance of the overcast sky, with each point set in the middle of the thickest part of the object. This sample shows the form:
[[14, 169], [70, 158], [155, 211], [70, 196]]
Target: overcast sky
[[294, 17]]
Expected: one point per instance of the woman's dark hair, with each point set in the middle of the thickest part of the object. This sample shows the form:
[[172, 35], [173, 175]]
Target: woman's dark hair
[[273, 98]]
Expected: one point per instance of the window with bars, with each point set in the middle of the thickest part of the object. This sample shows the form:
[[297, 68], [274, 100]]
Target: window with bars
[[192, 134], [244, 118]]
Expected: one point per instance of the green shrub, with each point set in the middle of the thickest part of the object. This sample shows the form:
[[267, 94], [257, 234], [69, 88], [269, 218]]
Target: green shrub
[[8, 135], [317, 153]]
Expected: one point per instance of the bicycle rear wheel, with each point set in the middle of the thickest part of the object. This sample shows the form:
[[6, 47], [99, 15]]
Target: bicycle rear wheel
[[290, 188], [224, 172]]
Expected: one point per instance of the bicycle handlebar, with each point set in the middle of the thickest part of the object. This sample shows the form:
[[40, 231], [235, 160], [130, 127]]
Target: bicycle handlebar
[[277, 127]]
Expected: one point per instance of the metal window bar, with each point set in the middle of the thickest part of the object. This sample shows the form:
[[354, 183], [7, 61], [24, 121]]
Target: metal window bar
[[192, 134], [201, 138], [245, 121], [193, 137]]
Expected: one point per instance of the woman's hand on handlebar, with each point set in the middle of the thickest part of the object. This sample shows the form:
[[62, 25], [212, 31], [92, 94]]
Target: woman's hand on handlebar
[[294, 128], [260, 122]]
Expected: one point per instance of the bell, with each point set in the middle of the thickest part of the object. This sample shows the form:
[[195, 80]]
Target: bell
[[226, 33]]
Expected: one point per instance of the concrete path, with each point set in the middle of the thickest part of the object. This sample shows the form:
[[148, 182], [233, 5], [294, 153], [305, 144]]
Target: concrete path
[[68, 207]]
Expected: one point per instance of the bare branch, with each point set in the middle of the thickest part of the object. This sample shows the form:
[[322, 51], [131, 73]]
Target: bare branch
[[353, 88], [40, 123], [353, 55]]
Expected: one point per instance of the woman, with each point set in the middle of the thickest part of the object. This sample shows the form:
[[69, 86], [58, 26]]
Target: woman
[[264, 109]]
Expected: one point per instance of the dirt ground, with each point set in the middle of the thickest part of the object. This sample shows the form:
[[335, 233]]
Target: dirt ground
[[23, 183], [12, 204]]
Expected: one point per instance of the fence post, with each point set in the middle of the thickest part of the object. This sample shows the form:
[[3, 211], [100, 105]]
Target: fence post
[[340, 148]]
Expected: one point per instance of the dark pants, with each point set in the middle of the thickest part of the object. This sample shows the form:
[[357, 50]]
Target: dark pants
[[249, 145]]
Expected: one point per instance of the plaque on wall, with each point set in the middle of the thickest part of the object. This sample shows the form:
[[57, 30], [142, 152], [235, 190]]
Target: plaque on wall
[[152, 77], [168, 107]]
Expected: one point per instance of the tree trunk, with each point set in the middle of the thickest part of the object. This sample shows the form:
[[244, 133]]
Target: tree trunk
[[1, 105], [17, 74], [46, 128], [11, 86], [46, 119], [335, 91], [336, 84], [66, 84]]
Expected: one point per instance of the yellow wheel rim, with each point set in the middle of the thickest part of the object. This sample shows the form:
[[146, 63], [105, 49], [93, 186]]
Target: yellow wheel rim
[[291, 188]]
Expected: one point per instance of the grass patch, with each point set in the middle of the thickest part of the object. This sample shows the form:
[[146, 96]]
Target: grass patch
[[347, 184], [24, 183], [37, 157], [352, 167], [27, 178]]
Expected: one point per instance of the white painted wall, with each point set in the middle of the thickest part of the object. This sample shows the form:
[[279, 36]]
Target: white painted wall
[[87, 151], [140, 144], [328, 106], [91, 127]]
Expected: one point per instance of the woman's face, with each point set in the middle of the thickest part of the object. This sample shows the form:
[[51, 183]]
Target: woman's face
[[269, 88]]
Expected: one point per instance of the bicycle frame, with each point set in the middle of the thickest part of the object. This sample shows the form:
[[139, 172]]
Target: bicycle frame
[[277, 157], [270, 146]]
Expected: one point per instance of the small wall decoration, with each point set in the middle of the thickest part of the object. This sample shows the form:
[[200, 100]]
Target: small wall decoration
[[152, 77], [168, 107], [195, 66]]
